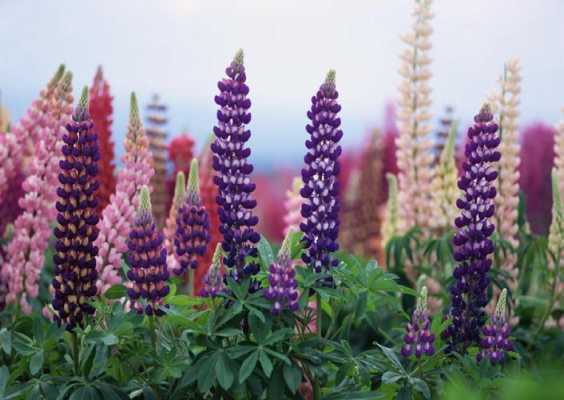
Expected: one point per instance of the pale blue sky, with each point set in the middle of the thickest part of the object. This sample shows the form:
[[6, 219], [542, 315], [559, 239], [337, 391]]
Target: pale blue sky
[[179, 49]]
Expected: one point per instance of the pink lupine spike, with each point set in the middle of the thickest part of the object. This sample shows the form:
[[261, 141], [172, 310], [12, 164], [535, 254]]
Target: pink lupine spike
[[118, 216], [26, 251], [17, 145], [293, 205]]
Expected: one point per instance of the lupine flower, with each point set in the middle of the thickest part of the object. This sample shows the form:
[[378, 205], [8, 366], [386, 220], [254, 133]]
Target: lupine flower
[[559, 153], [177, 200], [208, 192], [445, 190], [148, 274], [233, 171], [293, 206], [418, 338], [508, 169], [26, 252], [537, 160], [371, 197], [414, 146], [180, 152], [283, 287], [192, 226], [443, 132], [17, 146], [4, 119], [74, 283], [101, 111], [170, 224], [349, 224], [392, 224], [472, 244], [556, 245], [389, 146], [156, 133], [118, 216], [321, 188], [213, 285], [495, 341]]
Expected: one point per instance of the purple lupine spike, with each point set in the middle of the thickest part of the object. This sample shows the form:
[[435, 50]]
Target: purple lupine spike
[[74, 283], [213, 285], [148, 274], [495, 341], [283, 287], [192, 226], [230, 161], [418, 338], [320, 208], [472, 244]]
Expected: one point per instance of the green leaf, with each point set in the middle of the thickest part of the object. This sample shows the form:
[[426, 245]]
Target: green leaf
[[224, 371], [293, 377], [265, 252], [391, 355], [240, 350], [116, 292], [248, 366], [421, 386], [391, 377], [259, 329], [36, 362], [265, 363], [85, 393], [4, 375], [107, 391], [6, 341]]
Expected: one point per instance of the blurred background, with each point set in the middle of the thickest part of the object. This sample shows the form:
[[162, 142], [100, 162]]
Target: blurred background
[[178, 49]]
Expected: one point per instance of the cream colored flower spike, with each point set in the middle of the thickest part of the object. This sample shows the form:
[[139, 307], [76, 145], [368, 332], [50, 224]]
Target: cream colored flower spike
[[414, 153]]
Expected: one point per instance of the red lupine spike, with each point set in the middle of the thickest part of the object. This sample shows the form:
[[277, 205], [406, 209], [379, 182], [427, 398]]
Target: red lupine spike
[[101, 111]]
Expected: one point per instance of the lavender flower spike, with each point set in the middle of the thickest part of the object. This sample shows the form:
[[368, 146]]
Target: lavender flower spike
[[418, 337], [320, 191], [283, 289], [74, 283], [192, 226], [147, 257], [213, 281], [230, 161], [495, 341], [472, 244]]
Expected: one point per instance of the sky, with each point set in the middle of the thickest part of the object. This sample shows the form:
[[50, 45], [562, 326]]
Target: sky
[[180, 48]]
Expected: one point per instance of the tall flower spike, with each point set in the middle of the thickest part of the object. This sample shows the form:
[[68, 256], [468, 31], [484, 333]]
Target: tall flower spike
[[147, 256], [321, 187], [283, 287], [556, 245], [472, 244], [101, 111], [445, 190], [495, 341], [74, 283], [118, 216], [418, 338], [17, 146], [192, 226], [508, 169], [392, 225], [233, 171], [177, 200], [208, 192], [559, 153], [213, 285], [293, 205], [414, 146], [26, 252], [443, 132]]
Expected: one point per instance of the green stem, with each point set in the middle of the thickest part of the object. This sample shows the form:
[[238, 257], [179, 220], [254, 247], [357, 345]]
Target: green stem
[[191, 282], [153, 329], [318, 313], [75, 353], [551, 301]]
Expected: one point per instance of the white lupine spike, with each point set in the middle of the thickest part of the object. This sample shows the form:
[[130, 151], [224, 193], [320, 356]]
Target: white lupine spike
[[508, 168]]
